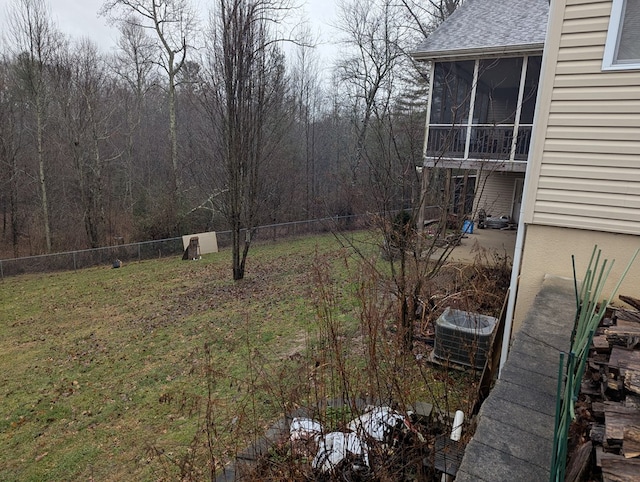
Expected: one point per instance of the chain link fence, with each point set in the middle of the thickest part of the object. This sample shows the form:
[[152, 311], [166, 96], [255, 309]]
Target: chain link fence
[[72, 260]]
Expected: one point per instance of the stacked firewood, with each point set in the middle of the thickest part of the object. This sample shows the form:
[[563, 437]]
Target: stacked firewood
[[608, 412]]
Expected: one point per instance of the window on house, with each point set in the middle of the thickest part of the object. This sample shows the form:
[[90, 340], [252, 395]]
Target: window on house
[[622, 48]]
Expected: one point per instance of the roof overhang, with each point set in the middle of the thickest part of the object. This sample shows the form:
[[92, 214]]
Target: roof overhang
[[472, 54]]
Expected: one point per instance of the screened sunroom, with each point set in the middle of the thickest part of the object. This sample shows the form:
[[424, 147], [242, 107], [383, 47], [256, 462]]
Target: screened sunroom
[[481, 110]]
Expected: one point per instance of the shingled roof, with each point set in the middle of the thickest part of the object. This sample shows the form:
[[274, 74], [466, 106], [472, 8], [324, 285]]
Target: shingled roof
[[487, 27]]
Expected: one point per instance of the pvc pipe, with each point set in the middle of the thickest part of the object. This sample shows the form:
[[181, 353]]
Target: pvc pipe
[[456, 431]]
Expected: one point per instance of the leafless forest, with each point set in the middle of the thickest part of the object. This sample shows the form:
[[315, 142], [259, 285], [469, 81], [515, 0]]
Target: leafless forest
[[196, 124]]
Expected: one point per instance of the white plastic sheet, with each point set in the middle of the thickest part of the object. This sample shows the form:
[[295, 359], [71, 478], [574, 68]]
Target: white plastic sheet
[[335, 446], [377, 423], [304, 428]]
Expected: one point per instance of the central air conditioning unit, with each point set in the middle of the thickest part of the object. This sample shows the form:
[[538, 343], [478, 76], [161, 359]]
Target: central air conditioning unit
[[464, 338]]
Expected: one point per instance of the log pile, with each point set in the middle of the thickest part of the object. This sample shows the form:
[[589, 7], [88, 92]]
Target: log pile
[[608, 411]]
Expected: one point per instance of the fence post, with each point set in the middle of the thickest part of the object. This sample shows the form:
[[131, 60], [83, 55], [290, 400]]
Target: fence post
[[75, 263], [1, 270]]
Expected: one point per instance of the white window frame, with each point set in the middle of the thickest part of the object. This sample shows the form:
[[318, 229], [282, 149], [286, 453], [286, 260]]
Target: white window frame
[[609, 61]]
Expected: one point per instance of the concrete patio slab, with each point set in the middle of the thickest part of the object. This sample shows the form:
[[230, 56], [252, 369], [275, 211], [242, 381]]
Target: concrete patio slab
[[493, 241]]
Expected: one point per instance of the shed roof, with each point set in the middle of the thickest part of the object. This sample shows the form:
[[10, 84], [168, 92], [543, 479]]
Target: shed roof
[[489, 27]]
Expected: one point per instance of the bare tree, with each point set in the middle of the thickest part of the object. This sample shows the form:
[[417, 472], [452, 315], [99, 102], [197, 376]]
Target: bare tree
[[305, 79], [36, 43], [442, 9], [173, 23], [372, 38], [247, 94], [426, 16], [11, 138], [133, 64], [386, 150], [84, 91]]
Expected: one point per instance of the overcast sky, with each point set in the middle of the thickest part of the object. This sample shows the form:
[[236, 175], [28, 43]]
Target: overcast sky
[[79, 18]]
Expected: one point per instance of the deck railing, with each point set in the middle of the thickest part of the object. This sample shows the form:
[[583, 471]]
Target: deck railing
[[485, 141]]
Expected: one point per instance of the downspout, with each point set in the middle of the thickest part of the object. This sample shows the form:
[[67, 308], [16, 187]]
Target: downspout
[[515, 274]]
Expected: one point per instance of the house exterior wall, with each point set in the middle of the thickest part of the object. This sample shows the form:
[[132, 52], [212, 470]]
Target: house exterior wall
[[587, 148], [494, 192], [584, 182], [548, 250]]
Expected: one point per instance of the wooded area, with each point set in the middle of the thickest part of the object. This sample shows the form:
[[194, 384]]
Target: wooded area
[[192, 126]]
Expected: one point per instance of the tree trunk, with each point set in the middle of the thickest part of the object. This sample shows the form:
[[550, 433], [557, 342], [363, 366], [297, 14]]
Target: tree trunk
[[173, 136], [238, 268], [41, 174], [96, 214], [406, 317], [14, 209]]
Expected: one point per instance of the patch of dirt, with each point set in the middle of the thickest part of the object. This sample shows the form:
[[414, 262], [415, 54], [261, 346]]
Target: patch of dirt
[[299, 345]]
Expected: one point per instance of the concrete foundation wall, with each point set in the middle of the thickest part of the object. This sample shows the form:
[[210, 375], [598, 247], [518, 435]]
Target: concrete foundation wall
[[548, 250]]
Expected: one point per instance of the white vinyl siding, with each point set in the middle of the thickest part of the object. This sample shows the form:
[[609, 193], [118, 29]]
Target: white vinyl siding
[[494, 192], [588, 159], [601, 146], [599, 106], [597, 95], [589, 171]]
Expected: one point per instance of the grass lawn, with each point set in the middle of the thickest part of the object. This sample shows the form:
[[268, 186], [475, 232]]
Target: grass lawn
[[107, 374]]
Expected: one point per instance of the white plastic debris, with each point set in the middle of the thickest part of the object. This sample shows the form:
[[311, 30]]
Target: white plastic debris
[[304, 434], [335, 446], [304, 428], [377, 423]]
